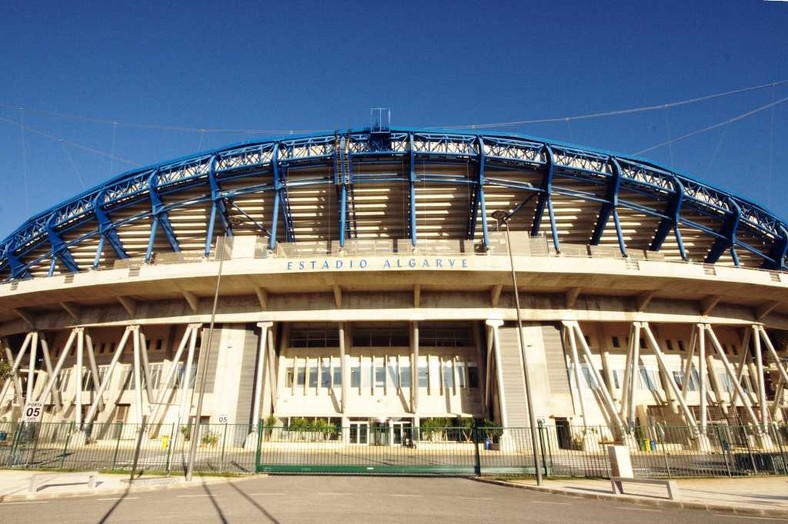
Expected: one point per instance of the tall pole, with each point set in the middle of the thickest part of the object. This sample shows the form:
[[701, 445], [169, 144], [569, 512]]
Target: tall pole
[[203, 364], [503, 218]]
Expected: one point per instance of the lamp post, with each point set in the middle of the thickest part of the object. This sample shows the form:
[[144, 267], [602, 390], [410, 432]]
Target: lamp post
[[503, 218], [203, 364]]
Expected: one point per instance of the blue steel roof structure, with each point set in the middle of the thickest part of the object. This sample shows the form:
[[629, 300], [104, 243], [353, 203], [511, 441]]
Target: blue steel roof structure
[[674, 201]]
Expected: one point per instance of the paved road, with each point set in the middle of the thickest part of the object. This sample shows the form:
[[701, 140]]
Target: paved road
[[347, 499]]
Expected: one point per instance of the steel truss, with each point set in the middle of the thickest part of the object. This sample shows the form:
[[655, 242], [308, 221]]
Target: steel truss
[[674, 200]]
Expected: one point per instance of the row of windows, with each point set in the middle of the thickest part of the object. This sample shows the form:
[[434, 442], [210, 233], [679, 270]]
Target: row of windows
[[109, 347], [382, 337], [157, 374], [670, 345], [648, 379], [371, 373]]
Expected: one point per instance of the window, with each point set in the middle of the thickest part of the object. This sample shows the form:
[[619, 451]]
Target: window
[[448, 375], [616, 342], [669, 344], [681, 345], [648, 379], [355, 375], [337, 374], [588, 375], [314, 338], [181, 371], [473, 375], [642, 342], [461, 377], [424, 375], [289, 374], [366, 373], [404, 375], [325, 373], [725, 382], [300, 375], [313, 374], [617, 378], [380, 375], [692, 383], [393, 372], [159, 344]]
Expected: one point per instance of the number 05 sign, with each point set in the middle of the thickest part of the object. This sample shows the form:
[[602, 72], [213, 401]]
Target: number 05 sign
[[33, 412]]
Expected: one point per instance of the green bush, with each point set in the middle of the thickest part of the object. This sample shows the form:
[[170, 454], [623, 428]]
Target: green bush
[[210, 439], [492, 430]]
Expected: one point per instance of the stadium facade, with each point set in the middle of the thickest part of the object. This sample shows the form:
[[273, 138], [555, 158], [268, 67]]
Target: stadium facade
[[362, 280]]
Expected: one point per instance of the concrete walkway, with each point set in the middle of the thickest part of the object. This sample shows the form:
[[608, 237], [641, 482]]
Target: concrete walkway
[[756, 496], [15, 484]]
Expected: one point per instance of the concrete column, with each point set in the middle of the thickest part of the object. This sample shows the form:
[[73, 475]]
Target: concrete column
[[343, 368], [269, 385], [495, 324], [576, 372], [414, 369], [761, 383], [137, 375], [31, 367], [258, 384], [78, 378], [183, 409]]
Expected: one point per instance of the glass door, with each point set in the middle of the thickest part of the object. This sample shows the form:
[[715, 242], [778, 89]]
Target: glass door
[[359, 433]]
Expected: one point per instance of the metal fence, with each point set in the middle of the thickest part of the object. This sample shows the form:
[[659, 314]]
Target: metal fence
[[113, 447], [565, 451]]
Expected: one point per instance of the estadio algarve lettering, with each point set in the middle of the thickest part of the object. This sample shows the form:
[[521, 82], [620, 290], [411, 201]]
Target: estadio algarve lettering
[[328, 264]]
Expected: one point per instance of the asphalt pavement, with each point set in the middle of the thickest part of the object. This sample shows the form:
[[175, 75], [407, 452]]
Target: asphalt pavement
[[67, 497]]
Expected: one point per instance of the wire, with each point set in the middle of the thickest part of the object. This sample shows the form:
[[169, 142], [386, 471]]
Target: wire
[[714, 126], [614, 113], [69, 142], [82, 118], [24, 158]]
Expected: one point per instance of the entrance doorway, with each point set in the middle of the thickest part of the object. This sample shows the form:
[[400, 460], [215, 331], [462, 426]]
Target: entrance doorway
[[359, 433], [401, 433]]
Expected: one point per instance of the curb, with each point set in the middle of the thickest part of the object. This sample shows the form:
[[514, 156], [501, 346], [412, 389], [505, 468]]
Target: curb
[[643, 501], [146, 485]]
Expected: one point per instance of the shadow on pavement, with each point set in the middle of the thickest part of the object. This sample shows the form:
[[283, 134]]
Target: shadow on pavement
[[214, 502], [111, 510], [254, 503]]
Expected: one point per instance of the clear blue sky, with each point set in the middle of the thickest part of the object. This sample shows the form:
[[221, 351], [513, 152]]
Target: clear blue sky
[[76, 67]]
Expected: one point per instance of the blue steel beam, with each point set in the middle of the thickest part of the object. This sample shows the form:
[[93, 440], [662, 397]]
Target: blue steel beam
[[478, 203], [160, 218], [19, 270], [412, 192], [281, 202], [610, 207], [107, 230], [671, 220], [778, 252], [546, 200], [218, 205], [339, 183], [726, 237], [59, 250]]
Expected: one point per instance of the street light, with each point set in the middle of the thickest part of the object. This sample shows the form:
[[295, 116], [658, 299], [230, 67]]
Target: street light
[[203, 363], [503, 218]]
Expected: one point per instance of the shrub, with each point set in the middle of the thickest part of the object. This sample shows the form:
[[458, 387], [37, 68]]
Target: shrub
[[210, 439]]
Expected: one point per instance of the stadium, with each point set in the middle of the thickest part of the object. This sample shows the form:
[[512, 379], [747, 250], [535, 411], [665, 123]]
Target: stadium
[[365, 279]]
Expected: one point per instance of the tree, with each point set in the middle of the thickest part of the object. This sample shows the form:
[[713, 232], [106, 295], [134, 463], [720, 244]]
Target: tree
[[5, 369]]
